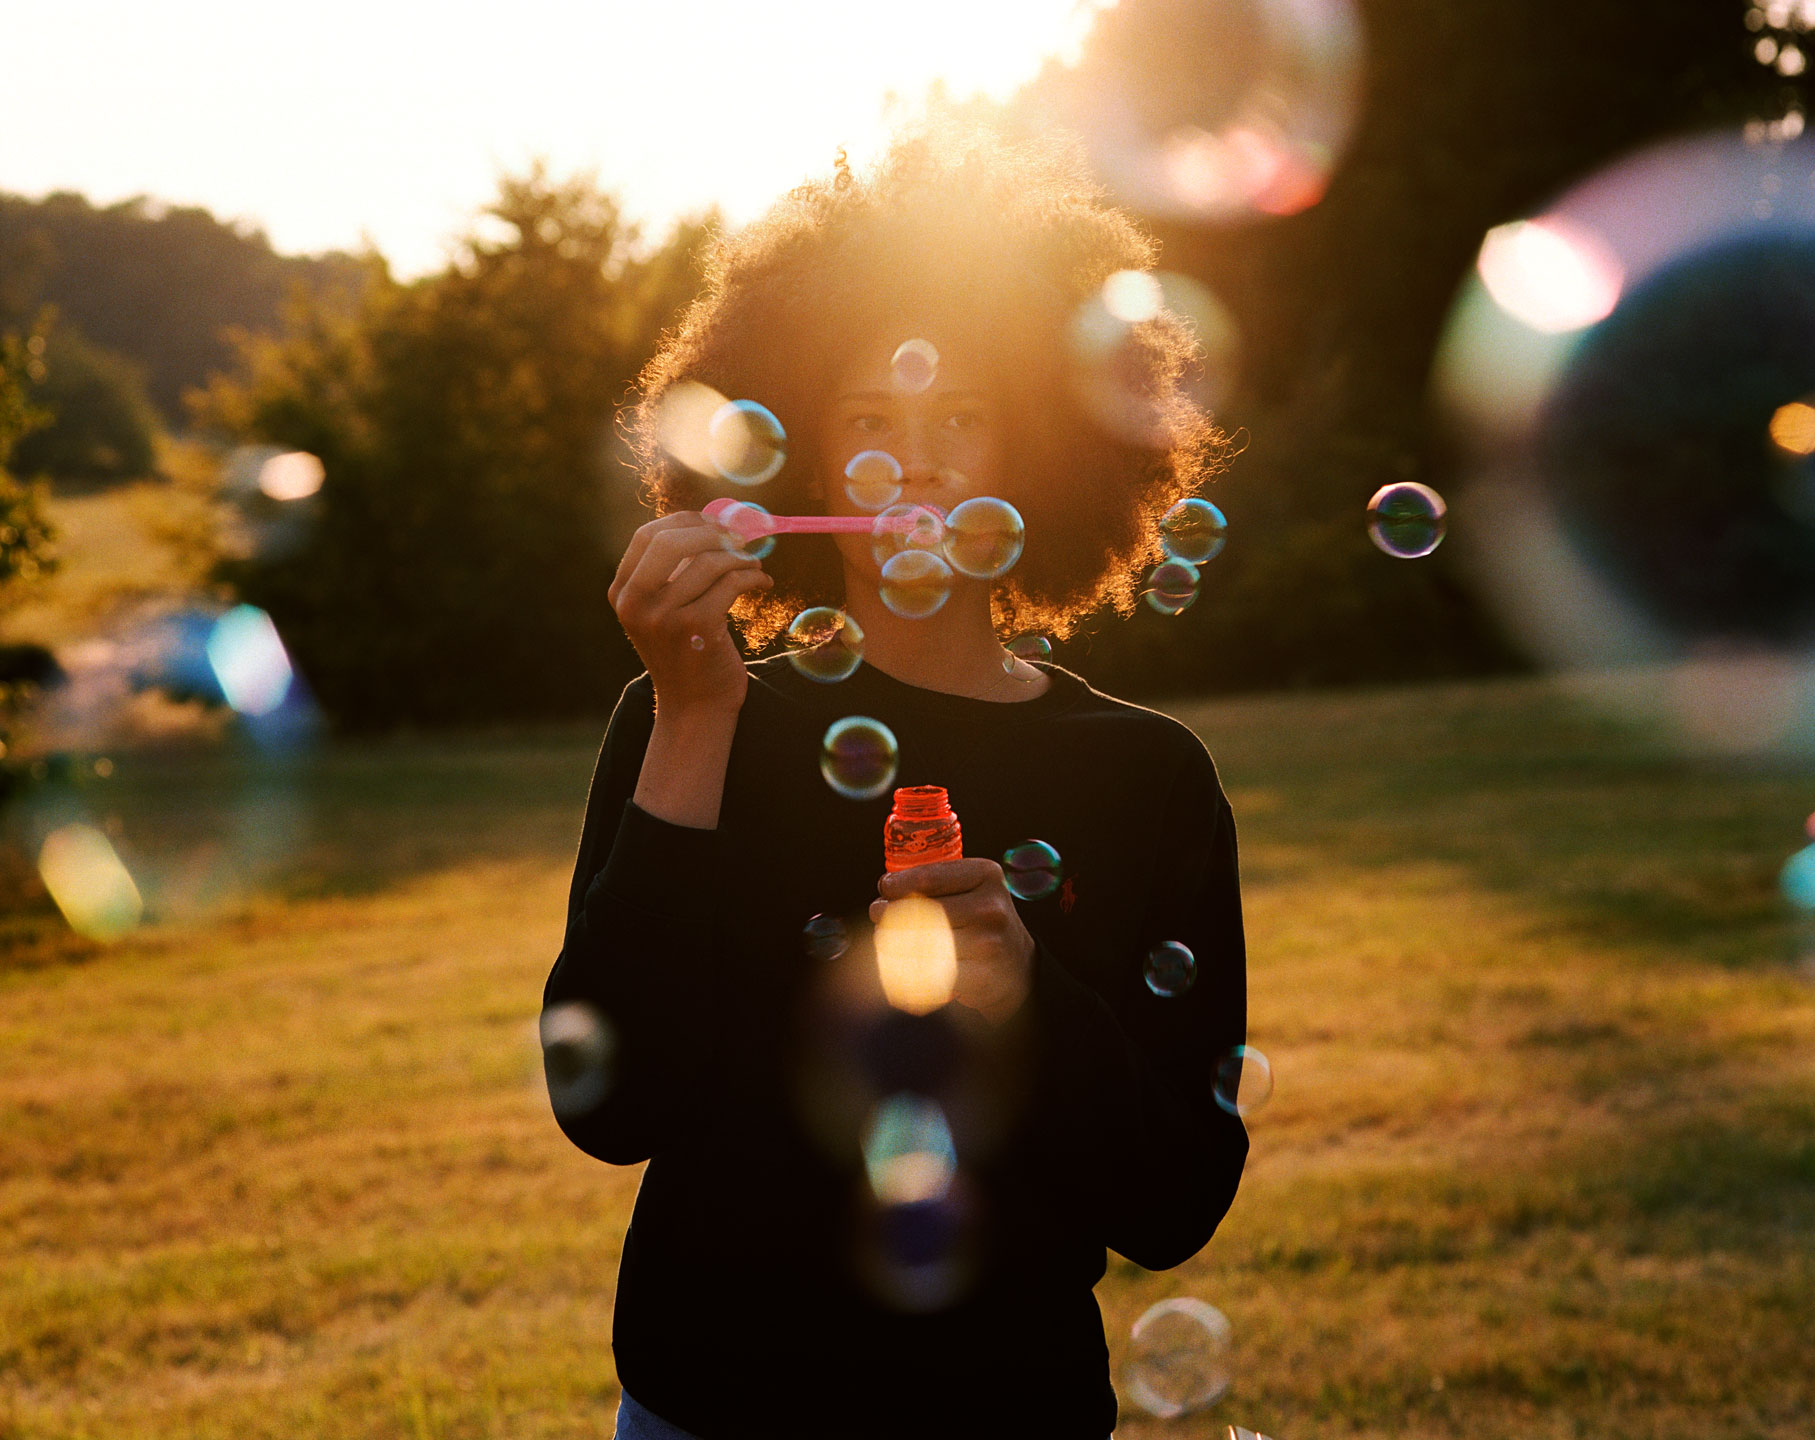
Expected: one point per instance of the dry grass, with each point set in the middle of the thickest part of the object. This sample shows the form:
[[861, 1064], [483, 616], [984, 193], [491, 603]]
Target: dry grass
[[1541, 1162]]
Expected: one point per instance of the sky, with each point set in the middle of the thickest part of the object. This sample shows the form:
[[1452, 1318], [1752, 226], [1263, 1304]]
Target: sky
[[334, 122]]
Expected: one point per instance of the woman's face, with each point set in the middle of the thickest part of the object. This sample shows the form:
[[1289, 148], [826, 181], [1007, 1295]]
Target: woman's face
[[947, 437]]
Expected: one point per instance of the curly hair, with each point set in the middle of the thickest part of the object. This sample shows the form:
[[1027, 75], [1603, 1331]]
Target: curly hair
[[997, 245]]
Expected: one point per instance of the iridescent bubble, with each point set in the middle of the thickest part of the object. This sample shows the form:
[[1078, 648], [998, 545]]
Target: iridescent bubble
[[826, 937], [872, 480], [1171, 970], [1406, 520], [747, 443], [1030, 648], [1797, 879], [914, 365], [249, 660], [825, 644], [906, 527], [908, 1152], [1194, 531], [1181, 1358], [1244, 1080], [915, 583], [577, 1052], [88, 882], [1031, 870], [983, 537], [858, 757], [1111, 352], [1172, 587], [739, 536]]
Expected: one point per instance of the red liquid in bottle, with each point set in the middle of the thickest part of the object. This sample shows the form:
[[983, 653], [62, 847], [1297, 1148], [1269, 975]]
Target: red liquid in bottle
[[921, 829]]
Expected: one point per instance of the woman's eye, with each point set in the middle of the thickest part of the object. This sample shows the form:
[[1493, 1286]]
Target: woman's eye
[[869, 424], [963, 419]]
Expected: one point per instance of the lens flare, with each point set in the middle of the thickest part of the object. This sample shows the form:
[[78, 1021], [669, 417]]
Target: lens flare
[[916, 956], [908, 1152], [1793, 428], [291, 475], [1552, 275], [1111, 346], [88, 882], [249, 661]]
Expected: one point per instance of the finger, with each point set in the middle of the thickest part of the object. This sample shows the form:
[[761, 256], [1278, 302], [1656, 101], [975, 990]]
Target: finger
[[639, 542], [662, 556], [712, 607], [699, 573], [944, 877], [876, 909]]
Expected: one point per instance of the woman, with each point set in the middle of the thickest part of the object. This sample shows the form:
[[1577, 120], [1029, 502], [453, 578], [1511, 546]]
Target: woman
[[778, 1277]]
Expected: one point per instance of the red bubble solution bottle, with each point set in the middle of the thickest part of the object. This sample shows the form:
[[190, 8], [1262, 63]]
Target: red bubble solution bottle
[[921, 829]]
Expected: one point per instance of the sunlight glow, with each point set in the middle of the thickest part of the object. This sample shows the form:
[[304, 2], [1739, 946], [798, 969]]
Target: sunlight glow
[[1551, 275]]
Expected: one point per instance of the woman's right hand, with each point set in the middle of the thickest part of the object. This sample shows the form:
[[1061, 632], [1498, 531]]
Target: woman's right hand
[[673, 590]]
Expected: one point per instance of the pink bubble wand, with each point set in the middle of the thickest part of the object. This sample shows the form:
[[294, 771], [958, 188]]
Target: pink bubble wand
[[746, 522]]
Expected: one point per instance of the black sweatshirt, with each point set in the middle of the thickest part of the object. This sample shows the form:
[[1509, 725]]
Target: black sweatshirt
[[748, 1302]]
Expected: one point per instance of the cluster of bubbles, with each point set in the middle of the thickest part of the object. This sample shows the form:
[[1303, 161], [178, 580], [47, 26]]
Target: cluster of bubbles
[[1192, 532], [1180, 1358], [1625, 375]]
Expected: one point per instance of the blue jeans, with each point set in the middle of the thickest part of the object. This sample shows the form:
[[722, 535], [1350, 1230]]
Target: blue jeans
[[636, 1423]]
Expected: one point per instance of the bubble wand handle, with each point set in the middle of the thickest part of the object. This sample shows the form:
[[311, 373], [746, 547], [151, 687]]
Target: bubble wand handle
[[748, 523]]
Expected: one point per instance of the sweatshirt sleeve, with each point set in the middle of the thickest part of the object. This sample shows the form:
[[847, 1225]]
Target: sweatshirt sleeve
[[1129, 1126], [638, 920]]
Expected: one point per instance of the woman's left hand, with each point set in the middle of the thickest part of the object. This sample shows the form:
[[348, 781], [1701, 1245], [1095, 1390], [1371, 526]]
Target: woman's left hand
[[995, 952]]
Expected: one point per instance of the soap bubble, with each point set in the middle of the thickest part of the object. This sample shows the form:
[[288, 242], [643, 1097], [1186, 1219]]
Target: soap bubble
[[1172, 587], [872, 480], [858, 757], [1171, 970], [1109, 349], [1640, 505], [577, 1052], [1244, 1080], [1030, 648], [908, 1152], [914, 365], [746, 441], [825, 644], [906, 527], [826, 937], [1406, 520], [983, 537], [1181, 1358], [1031, 870], [736, 536], [915, 583], [1211, 110], [1194, 531], [1797, 880]]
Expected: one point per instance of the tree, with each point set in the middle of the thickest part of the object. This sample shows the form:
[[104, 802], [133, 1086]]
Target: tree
[[458, 564], [102, 428]]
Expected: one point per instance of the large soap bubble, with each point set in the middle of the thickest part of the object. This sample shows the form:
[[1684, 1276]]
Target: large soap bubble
[[825, 644], [1194, 531], [983, 537], [915, 584], [747, 443], [1212, 109], [1180, 1359], [1625, 374], [858, 757]]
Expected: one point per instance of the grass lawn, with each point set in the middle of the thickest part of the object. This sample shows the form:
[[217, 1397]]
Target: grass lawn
[[1541, 1161]]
